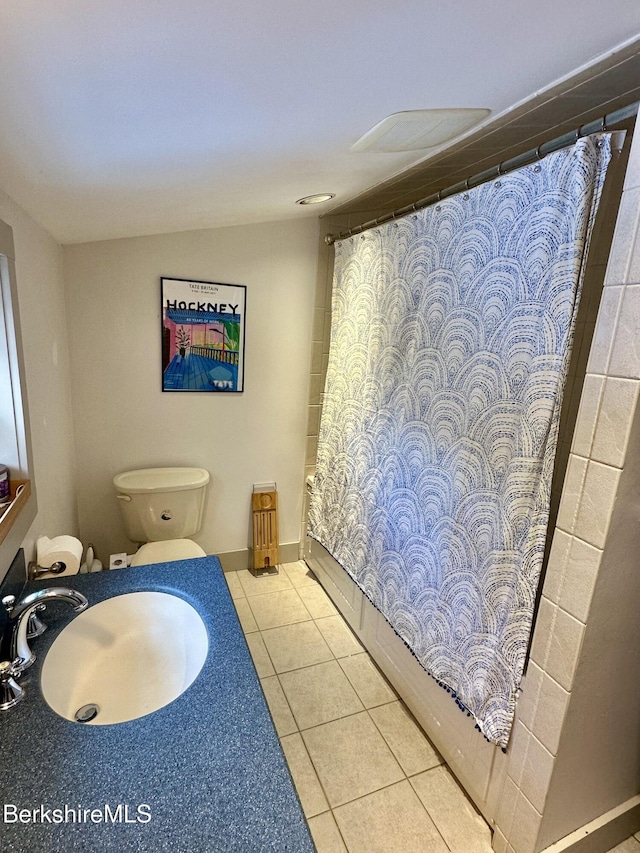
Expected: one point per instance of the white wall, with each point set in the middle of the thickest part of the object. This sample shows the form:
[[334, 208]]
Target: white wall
[[45, 346], [124, 421]]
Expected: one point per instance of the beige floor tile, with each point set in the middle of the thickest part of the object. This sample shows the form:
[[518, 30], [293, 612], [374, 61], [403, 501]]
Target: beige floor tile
[[260, 656], [245, 615], [266, 583], [278, 608], [295, 646], [392, 820], [370, 685], [316, 601], [339, 637], [629, 845], [233, 582], [458, 822], [408, 743], [307, 785], [320, 693], [326, 835], [351, 758], [300, 574], [278, 705]]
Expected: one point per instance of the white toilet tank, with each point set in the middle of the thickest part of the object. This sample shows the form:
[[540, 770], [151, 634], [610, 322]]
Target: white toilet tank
[[161, 503]]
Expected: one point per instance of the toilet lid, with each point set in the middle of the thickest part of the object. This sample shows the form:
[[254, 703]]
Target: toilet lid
[[166, 551]]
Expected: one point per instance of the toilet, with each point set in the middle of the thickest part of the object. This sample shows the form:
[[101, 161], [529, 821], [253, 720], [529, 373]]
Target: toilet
[[161, 508]]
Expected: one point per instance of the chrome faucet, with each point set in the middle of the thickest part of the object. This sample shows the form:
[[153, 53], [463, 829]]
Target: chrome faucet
[[17, 631]]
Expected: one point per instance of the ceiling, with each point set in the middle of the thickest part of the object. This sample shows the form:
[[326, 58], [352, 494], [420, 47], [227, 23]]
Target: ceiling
[[120, 118]]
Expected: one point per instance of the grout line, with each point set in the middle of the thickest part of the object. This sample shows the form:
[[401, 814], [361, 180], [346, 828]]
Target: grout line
[[293, 716]]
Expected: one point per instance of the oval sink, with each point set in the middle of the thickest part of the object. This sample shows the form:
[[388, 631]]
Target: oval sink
[[126, 657]]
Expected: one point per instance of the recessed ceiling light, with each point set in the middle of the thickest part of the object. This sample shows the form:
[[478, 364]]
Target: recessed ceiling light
[[318, 198], [413, 130]]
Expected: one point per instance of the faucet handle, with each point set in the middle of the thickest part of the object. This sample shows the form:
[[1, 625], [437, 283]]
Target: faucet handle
[[10, 691], [9, 602]]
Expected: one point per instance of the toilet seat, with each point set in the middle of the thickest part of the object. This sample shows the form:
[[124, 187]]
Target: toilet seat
[[165, 551]]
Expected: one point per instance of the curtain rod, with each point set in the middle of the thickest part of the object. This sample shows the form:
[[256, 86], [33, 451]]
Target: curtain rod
[[564, 141]]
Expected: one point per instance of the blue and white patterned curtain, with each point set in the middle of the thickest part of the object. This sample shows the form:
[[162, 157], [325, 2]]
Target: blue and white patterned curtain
[[450, 342]]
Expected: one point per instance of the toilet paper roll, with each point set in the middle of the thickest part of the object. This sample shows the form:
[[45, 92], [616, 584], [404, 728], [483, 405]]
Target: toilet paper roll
[[60, 549]]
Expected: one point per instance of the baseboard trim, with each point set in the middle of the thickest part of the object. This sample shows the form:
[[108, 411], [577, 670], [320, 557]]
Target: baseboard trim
[[235, 561], [603, 833]]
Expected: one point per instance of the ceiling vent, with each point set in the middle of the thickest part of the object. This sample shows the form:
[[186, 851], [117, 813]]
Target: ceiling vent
[[414, 130]]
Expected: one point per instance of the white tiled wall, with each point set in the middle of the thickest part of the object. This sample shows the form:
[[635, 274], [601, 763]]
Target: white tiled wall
[[598, 453]]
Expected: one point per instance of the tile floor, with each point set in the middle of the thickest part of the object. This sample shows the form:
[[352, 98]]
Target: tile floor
[[368, 779], [631, 845]]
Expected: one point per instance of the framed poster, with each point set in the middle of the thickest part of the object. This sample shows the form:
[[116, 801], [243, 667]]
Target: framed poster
[[202, 335]]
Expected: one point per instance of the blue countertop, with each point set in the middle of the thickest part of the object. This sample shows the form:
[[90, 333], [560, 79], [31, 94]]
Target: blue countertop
[[209, 766]]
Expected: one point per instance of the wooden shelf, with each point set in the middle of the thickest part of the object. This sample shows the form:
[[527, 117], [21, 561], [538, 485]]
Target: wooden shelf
[[15, 507]]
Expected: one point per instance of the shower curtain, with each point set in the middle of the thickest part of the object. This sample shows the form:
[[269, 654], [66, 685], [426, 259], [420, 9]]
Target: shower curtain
[[450, 342]]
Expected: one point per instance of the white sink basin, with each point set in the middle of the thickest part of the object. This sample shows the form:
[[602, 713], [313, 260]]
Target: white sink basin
[[127, 656]]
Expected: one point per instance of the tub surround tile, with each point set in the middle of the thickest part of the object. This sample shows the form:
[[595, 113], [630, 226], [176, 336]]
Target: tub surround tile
[[557, 561], [315, 389], [596, 504], [260, 655], [579, 578], [564, 648], [318, 694], [571, 492], [633, 271], [625, 356], [605, 328], [536, 774], [529, 695], [623, 237], [457, 821], [550, 712], [278, 706], [525, 826], [295, 646], [316, 357], [587, 415], [318, 325], [311, 453], [340, 639], [313, 421], [351, 758], [614, 421], [542, 632], [316, 601], [507, 806], [392, 819], [253, 585], [275, 609], [518, 748], [370, 685], [326, 834], [304, 776], [413, 751]]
